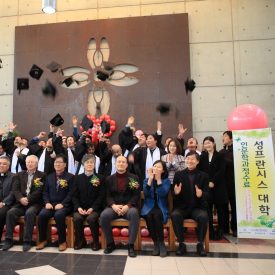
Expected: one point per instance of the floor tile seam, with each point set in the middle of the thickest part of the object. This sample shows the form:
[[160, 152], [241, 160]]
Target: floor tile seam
[[223, 259]]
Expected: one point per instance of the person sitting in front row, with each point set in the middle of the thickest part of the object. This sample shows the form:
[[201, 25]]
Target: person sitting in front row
[[57, 199], [88, 201], [155, 209], [190, 188], [123, 194]]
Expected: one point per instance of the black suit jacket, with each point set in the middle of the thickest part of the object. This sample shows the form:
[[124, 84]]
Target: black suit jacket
[[20, 187], [55, 195], [182, 200], [216, 172], [128, 196], [86, 195], [7, 195]]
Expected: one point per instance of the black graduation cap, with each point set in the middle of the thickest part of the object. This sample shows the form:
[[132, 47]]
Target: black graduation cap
[[53, 67], [22, 84], [190, 85], [35, 72], [57, 120], [105, 126], [101, 75], [68, 81], [108, 66], [86, 123], [163, 108], [49, 89]]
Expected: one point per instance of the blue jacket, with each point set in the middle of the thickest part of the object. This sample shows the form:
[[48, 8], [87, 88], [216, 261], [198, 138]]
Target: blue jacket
[[162, 198]]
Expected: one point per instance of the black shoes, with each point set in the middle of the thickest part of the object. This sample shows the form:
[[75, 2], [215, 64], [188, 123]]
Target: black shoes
[[95, 246], [155, 251], [131, 251], [162, 250], [181, 249], [26, 246], [200, 250], [80, 245], [7, 245], [110, 248]]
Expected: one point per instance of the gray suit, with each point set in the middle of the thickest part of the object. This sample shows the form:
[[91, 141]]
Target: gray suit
[[6, 196]]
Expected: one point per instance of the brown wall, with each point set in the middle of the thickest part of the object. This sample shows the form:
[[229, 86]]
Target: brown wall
[[158, 45]]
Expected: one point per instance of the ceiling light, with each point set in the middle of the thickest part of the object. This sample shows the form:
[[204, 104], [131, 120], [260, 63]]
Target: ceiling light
[[49, 6]]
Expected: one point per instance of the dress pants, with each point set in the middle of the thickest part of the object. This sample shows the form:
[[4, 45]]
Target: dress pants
[[154, 221], [29, 213], [199, 215], [221, 218], [60, 219], [92, 220], [109, 214], [3, 214]]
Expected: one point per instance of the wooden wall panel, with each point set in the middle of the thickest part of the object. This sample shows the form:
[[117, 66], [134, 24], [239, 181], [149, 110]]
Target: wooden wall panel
[[158, 45]]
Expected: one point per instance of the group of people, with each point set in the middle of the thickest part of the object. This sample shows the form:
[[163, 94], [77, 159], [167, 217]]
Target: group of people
[[97, 183]]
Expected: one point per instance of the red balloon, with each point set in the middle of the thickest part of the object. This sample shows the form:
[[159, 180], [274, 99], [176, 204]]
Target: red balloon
[[116, 231], [113, 128], [124, 232], [108, 120], [97, 121], [165, 232], [247, 117], [144, 232], [34, 230], [107, 117], [87, 231], [102, 117], [53, 230], [91, 117], [112, 122], [17, 229]]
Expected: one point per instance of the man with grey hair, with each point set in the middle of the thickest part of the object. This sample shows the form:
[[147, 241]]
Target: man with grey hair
[[88, 200], [27, 189], [6, 196]]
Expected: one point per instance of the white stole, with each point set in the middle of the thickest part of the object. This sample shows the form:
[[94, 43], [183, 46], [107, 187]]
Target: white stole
[[15, 159], [113, 171], [71, 163], [150, 159], [41, 162]]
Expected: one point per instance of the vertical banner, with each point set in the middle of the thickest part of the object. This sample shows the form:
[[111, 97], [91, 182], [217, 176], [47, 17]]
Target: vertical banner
[[255, 183]]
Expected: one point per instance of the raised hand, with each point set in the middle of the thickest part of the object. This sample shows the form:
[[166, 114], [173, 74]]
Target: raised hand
[[74, 121], [181, 130], [158, 126], [131, 120], [12, 126]]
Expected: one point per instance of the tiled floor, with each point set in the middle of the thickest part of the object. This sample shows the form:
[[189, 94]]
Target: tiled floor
[[244, 257]]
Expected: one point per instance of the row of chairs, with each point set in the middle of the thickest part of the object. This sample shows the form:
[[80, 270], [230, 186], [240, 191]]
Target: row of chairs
[[188, 223]]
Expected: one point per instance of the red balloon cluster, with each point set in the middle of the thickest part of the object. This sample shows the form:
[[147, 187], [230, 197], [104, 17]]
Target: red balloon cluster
[[87, 231], [97, 128]]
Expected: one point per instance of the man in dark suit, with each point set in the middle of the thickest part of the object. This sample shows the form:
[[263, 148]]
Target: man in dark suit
[[123, 193], [57, 197], [190, 190], [88, 201], [6, 196], [27, 190]]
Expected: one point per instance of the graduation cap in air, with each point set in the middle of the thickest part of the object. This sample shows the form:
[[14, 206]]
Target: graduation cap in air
[[49, 89], [105, 126], [190, 85], [164, 108], [22, 84], [35, 72], [68, 81], [86, 123], [53, 67], [101, 75], [57, 120]]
